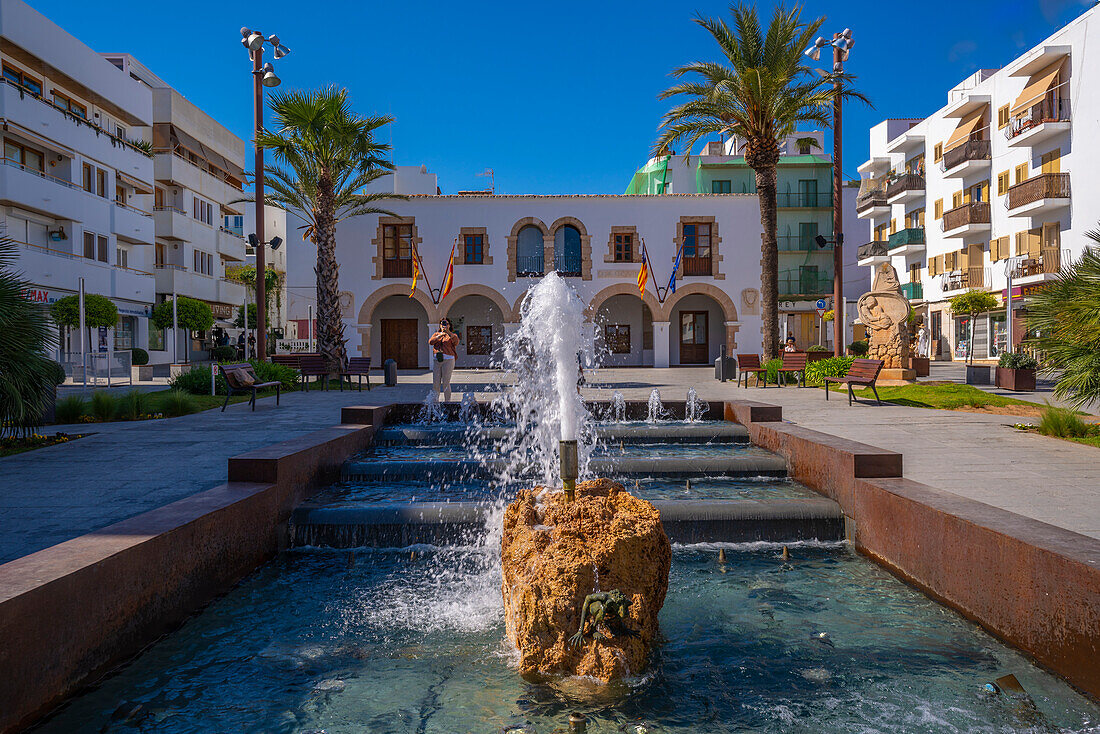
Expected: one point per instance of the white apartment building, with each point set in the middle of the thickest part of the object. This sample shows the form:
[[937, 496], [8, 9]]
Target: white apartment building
[[77, 181], [985, 189], [198, 172], [274, 258]]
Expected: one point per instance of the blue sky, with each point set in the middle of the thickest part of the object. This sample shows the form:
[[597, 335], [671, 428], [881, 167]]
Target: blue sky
[[557, 97]]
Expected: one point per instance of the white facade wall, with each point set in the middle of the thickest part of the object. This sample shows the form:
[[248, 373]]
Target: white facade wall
[[1067, 219], [487, 295], [71, 224]]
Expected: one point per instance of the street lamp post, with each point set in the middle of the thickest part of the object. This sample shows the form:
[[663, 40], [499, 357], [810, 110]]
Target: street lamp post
[[263, 75], [842, 44]]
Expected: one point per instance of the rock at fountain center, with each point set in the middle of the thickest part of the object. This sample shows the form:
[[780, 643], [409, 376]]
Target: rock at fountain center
[[554, 555]]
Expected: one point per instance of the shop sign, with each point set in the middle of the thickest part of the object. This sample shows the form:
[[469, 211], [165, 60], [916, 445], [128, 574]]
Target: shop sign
[[37, 295], [222, 310], [1022, 291]]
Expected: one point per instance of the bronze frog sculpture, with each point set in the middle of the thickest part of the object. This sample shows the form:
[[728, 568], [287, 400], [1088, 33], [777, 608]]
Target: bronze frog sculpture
[[610, 608]]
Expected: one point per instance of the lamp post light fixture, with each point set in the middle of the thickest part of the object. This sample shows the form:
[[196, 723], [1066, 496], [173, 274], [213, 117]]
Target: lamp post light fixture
[[842, 45], [263, 75]]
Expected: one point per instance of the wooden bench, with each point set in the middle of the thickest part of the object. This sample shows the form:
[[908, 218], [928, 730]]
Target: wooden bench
[[750, 364], [793, 362], [234, 384], [357, 366], [863, 372], [291, 360], [313, 365]]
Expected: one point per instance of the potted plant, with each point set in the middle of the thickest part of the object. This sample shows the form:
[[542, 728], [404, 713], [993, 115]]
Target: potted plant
[[974, 303], [1016, 371], [815, 352]]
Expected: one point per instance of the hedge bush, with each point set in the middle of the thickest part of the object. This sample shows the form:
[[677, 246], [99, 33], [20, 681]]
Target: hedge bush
[[818, 348], [1017, 361], [139, 357], [103, 405], [224, 354], [70, 409], [859, 348], [196, 381], [816, 372], [58, 372]]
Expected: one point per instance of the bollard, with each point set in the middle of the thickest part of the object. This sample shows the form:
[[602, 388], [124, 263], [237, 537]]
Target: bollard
[[570, 467], [389, 371], [578, 724]]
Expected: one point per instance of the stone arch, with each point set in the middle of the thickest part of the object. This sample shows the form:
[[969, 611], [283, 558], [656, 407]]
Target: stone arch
[[624, 289], [586, 244], [516, 306], [476, 289], [513, 237], [705, 289], [396, 289]]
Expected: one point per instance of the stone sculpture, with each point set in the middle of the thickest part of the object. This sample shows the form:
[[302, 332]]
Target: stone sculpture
[[884, 311], [596, 567]]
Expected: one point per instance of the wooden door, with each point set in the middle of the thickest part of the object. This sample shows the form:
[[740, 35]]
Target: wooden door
[[694, 338], [400, 342]]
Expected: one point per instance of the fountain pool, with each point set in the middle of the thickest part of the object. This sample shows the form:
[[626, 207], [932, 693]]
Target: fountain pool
[[372, 640]]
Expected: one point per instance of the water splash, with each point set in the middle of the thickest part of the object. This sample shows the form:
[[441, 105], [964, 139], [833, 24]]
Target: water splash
[[655, 410], [545, 353], [431, 410], [467, 409], [695, 408], [618, 407]]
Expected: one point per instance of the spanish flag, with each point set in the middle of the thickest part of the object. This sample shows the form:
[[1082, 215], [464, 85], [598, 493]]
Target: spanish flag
[[643, 275], [449, 276], [416, 276]]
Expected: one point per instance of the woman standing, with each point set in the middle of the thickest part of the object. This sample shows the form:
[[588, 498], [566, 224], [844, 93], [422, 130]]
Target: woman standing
[[443, 344]]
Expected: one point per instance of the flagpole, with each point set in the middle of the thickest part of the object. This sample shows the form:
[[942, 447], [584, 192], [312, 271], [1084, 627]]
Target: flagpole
[[424, 273]]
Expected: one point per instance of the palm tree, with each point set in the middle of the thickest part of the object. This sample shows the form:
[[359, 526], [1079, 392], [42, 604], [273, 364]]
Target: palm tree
[[326, 155], [760, 92], [1064, 319]]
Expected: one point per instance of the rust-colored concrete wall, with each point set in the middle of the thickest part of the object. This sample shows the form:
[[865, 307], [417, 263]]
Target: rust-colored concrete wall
[[71, 612], [1034, 585]]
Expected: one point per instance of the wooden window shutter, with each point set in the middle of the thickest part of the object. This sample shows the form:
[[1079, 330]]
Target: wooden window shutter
[[940, 268], [956, 199], [939, 208], [932, 266], [1034, 239], [893, 226], [920, 218], [963, 261], [994, 246]]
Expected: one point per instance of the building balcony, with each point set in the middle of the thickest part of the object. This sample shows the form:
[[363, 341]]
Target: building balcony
[[907, 141], [399, 267], [913, 291], [805, 284], [800, 243], [40, 192], [906, 187], [1044, 267], [962, 280], [873, 253], [229, 245], [131, 224], [1038, 123], [1042, 193], [968, 219], [56, 267], [530, 266], [909, 241], [700, 266], [872, 204], [184, 282], [71, 134], [568, 266], [170, 167], [804, 200], [971, 157]]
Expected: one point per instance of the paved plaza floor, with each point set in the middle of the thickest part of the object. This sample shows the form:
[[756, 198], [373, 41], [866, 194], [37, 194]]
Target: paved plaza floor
[[53, 494]]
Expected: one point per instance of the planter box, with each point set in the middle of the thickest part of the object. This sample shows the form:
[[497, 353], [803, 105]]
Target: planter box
[[977, 374], [1019, 380], [816, 355], [144, 373], [920, 365]]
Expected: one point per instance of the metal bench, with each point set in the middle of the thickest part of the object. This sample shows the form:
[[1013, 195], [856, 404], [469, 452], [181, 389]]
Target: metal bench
[[750, 364], [794, 362], [863, 372], [357, 366], [235, 385]]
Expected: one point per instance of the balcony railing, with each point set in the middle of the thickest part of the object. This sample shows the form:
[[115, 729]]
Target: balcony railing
[[696, 266], [913, 291], [905, 182], [1049, 262], [805, 284], [803, 243], [976, 212], [399, 267], [163, 208], [66, 254], [530, 266], [907, 236], [567, 265], [134, 209], [207, 169], [971, 150], [16, 164], [871, 249], [1045, 111], [1037, 188], [792, 200], [955, 281], [870, 200]]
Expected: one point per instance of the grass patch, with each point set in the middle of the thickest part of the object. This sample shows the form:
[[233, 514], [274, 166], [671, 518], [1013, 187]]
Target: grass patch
[[943, 396]]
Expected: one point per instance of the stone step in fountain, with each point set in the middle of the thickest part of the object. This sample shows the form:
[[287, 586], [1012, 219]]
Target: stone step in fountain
[[400, 525], [637, 434], [374, 470]]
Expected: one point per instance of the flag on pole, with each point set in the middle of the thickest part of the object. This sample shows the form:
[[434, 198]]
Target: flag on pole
[[449, 276], [675, 267], [416, 276], [643, 275]]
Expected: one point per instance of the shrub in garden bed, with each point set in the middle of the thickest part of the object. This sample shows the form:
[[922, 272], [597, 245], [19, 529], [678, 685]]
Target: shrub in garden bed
[[196, 381], [103, 405], [71, 409], [134, 405], [816, 372], [773, 365], [179, 402], [1017, 361], [859, 348]]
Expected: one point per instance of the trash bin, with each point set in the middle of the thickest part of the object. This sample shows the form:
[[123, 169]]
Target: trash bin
[[725, 368], [389, 370]]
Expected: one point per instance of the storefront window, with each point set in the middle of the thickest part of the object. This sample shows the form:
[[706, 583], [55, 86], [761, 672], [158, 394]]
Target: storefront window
[[124, 333], [962, 337], [998, 328], [156, 338]]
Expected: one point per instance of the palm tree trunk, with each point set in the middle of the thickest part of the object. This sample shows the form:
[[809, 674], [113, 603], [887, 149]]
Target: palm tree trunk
[[769, 260], [330, 327]]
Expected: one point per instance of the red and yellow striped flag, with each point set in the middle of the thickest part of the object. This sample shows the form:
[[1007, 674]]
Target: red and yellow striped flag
[[449, 276], [643, 276], [416, 276]]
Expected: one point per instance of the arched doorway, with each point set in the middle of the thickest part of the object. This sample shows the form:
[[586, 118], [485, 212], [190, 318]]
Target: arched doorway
[[702, 319], [529, 252], [624, 330], [567, 251], [399, 331], [479, 323]]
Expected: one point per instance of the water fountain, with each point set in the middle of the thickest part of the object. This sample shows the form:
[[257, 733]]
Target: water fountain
[[468, 410], [695, 407], [655, 410], [431, 411], [618, 407]]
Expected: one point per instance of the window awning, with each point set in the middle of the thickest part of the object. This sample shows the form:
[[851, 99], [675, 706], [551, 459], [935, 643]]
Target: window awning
[[1037, 87], [139, 186], [969, 124]]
